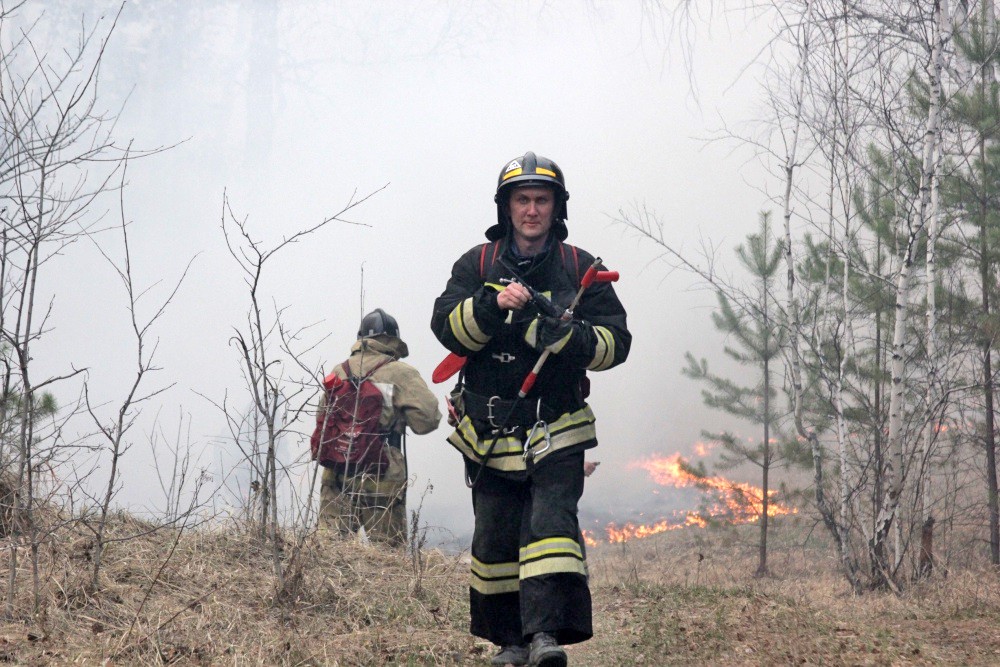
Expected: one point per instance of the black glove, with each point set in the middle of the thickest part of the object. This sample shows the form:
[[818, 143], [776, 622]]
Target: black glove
[[549, 333]]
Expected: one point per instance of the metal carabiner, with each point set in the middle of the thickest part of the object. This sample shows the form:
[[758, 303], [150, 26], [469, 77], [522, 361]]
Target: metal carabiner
[[529, 451], [489, 412]]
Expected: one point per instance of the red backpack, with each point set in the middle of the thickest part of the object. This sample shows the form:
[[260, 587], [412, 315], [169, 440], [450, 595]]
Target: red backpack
[[347, 429]]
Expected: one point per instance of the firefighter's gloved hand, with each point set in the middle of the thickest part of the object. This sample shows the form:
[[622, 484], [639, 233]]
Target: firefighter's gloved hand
[[549, 333]]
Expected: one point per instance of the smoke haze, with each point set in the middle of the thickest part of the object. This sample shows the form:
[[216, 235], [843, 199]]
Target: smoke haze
[[292, 109]]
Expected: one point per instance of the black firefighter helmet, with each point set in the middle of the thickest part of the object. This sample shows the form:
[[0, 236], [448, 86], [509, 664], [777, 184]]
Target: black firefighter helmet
[[376, 323], [524, 171]]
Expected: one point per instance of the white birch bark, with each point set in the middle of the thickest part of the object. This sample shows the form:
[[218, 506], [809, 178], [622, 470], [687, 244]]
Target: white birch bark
[[894, 462], [933, 364], [924, 479], [943, 35], [924, 474], [845, 465], [794, 309]]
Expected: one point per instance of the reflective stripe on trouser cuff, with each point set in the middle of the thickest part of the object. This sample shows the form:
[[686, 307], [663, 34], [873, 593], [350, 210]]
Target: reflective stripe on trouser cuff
[[494, 578], [552, 555], [551, 546], [572, 428], [464, 327], [604, 351], [553, 565]]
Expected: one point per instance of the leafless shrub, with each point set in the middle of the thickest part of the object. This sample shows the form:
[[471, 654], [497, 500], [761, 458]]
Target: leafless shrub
[[115, 432], [277, 400]]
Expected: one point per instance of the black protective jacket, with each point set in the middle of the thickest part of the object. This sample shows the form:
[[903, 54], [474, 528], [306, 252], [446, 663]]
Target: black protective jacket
[[468, 321]]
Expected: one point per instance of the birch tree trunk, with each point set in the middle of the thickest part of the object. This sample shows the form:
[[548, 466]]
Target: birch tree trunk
[[794, 313], [842, 49], [924, 481], [882, 574]]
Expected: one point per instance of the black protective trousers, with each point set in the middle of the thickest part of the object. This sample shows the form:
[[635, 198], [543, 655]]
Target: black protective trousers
[[528, 558]]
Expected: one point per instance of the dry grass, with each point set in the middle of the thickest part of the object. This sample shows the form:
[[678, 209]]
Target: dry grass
[[215, 602], [655, 603], [690, 598]]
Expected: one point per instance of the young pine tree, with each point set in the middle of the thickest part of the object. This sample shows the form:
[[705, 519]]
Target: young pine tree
[[752, 323]]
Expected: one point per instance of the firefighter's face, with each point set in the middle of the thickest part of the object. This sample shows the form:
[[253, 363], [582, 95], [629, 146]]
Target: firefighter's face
[[531, 210]]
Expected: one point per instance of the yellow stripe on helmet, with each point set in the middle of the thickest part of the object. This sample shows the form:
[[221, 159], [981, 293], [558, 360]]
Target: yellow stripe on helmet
[[538, 170]]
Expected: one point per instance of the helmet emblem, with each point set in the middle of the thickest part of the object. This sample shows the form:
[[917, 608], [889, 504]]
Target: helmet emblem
[[514, 164]]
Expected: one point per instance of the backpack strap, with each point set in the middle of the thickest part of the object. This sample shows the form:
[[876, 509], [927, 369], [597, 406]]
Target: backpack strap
[[576, 260], [483, 268], [347, 369], [486, 265]]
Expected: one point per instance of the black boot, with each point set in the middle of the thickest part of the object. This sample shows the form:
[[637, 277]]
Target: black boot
[[511, 655], [546, 652]]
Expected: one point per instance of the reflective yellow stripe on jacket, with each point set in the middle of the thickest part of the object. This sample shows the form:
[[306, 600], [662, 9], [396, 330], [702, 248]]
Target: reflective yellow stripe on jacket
[[464, 327], [570, 429], [604, 351]]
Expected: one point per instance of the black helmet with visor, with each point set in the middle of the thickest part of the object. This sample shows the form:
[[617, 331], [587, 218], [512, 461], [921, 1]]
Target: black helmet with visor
[[529, 170], [376, 323]]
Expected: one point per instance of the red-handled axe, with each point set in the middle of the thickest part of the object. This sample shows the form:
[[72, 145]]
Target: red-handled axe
[[589, 278]]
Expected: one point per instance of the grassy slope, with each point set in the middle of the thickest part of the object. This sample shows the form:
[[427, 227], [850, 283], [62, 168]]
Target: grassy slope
[[346, 604]]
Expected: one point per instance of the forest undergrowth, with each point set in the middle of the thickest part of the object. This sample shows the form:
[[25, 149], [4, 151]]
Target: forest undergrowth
[[207, 596]]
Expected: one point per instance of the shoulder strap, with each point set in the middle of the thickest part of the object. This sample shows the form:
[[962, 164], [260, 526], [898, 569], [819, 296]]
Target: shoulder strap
[[483, 268], [576, 260], [491, 249], [486, 265], [347, 369]]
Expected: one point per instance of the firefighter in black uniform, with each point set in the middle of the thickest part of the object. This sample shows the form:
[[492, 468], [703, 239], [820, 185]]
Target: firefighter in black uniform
[[528, 591]]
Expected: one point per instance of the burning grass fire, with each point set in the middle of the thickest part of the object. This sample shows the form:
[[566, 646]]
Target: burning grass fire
[[726, 500]]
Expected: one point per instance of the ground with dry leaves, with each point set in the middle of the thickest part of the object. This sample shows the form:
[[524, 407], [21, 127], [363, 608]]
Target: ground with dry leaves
[[682, 598]]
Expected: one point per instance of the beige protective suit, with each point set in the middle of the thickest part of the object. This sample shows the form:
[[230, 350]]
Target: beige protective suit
[[376, 499]]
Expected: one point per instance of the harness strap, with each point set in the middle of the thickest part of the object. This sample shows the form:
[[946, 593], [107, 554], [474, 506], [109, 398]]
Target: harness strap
[[576, 259], [350, 376], [485, 268], [495, 411]]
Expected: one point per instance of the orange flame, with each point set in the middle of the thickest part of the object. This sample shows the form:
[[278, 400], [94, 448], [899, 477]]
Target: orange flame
[[701, 449], [734, 502], [737, 498]]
